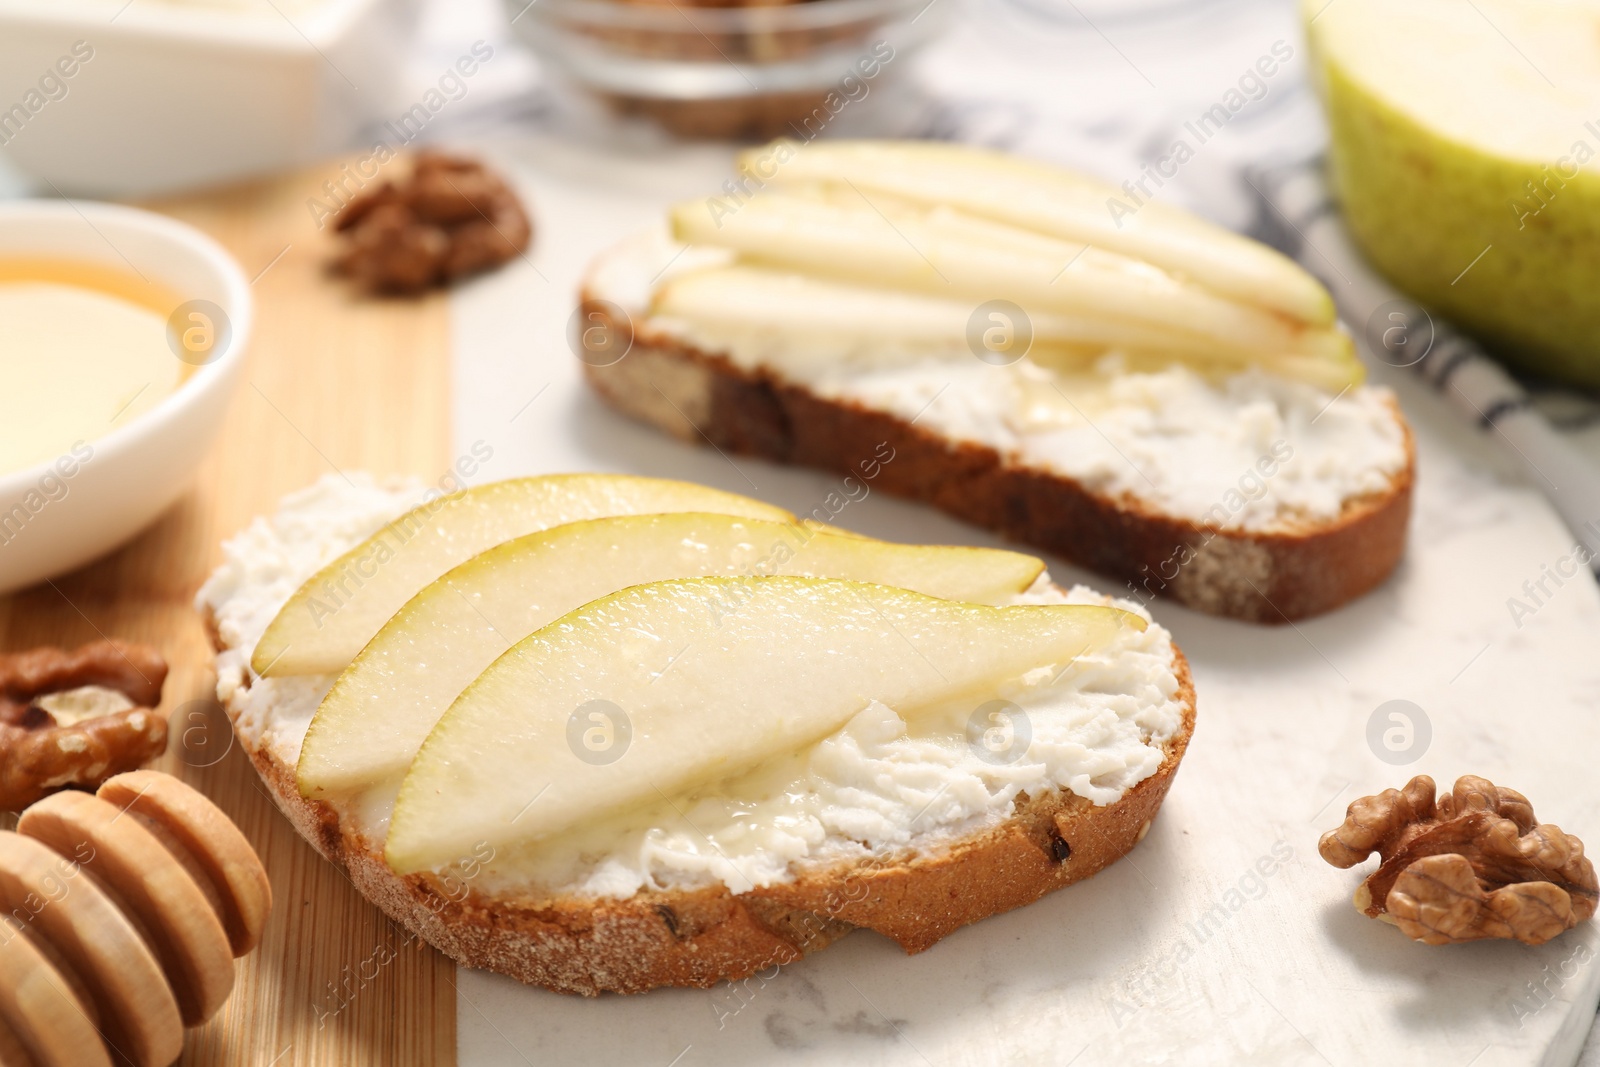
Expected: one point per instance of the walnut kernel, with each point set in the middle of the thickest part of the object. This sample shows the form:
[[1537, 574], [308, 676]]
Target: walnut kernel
[[1470, 864]]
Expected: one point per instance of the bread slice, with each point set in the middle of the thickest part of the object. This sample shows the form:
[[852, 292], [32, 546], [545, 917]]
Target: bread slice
[[708, 934], [1278, 574], [704, 936]]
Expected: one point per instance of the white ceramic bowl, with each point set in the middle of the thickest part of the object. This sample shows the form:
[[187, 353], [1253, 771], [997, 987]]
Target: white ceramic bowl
[[52, 521], [165, 95]]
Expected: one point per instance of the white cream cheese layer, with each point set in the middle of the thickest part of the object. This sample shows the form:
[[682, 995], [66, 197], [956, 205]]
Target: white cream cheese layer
[[878, 787], [1251, 451]]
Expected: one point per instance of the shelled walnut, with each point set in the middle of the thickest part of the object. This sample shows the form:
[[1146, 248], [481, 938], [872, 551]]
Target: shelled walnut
[[76, 718], [1472, 864], [452, 217]]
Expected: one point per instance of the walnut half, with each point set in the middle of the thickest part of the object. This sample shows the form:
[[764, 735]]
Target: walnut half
[[76, 718], [1469, 865], [450, 218]]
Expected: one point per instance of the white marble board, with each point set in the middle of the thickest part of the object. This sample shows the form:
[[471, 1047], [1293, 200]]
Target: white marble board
[[1125, 968]]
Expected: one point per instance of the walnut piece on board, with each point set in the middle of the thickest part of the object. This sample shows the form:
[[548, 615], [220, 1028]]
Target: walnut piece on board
[[77, 718], [450, 218], [1466, 865]]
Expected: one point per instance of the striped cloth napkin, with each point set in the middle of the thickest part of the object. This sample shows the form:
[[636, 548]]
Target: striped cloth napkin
[[1399, 332]]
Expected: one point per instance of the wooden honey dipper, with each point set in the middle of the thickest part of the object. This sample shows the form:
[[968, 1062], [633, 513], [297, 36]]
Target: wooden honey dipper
[[122, 914]]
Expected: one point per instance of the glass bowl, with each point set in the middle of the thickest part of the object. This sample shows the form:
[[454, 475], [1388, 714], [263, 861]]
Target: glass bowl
[[756, 71]]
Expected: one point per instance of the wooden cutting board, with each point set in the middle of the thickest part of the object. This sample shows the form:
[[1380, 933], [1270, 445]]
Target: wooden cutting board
[[333, 381]]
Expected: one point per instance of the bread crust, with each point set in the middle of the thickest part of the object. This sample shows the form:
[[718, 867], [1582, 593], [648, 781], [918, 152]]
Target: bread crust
[[708, 935], [1263, 576]]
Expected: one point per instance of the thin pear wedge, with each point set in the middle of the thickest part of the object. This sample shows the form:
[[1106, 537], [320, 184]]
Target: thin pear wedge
[[336, 611], [1057, 202], [837, 318], [947, 253], [380, 710], [655, 689]]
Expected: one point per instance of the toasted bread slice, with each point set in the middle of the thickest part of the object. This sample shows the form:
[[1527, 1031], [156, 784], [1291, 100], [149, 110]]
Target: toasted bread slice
[[699, 935], [1276, 572]]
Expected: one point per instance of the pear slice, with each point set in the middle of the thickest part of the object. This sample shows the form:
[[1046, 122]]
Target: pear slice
[[371, 724], [835, 318], [1056, 202], [950, 254], [699, 694], [336, 611]]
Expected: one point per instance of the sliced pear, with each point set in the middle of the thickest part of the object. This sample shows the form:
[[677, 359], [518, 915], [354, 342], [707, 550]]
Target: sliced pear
[[330, 617], [371, 724], [950, 254], [1057, 202], [733, 300], [705, 695]]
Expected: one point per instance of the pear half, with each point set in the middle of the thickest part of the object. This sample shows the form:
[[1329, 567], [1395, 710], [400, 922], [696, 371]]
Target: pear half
[[700, 695], [1465, 152], [380, 710], [336, 611]]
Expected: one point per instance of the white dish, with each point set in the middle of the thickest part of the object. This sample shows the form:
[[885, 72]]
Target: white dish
[[178, 94], [52, 520]]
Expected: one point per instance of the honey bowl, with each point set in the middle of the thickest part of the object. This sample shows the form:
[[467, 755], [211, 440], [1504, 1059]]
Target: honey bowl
[[122, 335]]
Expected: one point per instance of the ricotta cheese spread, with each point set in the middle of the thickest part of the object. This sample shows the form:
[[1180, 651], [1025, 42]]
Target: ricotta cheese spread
[[884, 785], [1251, 451]]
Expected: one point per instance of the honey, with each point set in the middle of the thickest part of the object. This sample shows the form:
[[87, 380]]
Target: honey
[[84, 350]]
